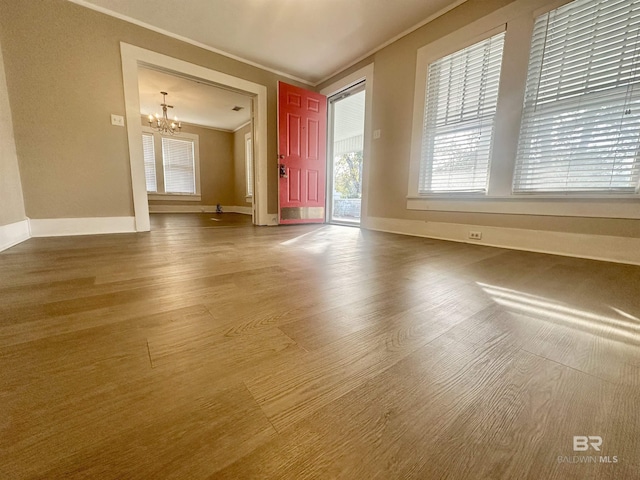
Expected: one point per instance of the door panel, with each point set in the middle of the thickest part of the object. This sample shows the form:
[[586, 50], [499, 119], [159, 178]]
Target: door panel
[[295, 195], [302, 130], [313, 134], [293, 135], [312, 186]]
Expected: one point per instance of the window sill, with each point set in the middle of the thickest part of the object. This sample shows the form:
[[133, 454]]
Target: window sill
[[174, 197], [248, 198], [619, 206]]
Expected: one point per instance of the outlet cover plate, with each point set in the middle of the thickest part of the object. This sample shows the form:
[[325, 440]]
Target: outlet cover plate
[[117, 120]]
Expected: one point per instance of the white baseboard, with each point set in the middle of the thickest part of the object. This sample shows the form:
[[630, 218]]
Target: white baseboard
[[596, 247], [242, 210], [13, 234], [58, 227], [198, 209]]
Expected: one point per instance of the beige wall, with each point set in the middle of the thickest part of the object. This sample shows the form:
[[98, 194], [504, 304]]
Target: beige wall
[[393, 96], [11, 201], [64, 79], [216, 166], [240, 176]]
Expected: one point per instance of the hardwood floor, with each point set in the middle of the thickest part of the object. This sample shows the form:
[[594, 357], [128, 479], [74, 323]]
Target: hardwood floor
[[209, 348]]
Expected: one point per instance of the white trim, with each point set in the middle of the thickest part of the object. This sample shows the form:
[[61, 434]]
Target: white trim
[[174, 197], [596, 247], [13, 234], [199, 125], [195, 43], [242, 126], [132, 56], [430, 18], [569, 207], [238, 209], [198, 209], [364, 74], [60, 227]]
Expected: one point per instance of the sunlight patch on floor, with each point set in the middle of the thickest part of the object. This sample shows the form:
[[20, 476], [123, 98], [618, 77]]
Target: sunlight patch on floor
[[544, 308]]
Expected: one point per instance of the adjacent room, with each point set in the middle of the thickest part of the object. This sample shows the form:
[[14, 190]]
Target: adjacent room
[[198, 153], [347, 239]]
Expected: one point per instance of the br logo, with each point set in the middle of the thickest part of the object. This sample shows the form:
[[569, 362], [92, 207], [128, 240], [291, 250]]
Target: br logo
[[582, 443]]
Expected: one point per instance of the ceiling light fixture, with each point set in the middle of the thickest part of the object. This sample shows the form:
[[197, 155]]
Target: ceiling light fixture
[[163, 124]]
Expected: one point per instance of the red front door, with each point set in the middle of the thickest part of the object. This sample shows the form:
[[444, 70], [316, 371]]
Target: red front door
[[302, 143]]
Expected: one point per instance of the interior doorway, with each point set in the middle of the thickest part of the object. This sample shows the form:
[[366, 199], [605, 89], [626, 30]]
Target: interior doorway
[[134, 57], [197, 146], [346, 155]]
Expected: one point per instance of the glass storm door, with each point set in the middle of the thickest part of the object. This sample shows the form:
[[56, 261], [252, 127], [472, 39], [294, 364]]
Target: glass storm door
[[346, 145]]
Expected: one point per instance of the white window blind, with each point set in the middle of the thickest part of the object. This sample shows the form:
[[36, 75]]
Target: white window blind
[[149, 162], [461, 99], [179, 166], [580, 128], [248, 157]]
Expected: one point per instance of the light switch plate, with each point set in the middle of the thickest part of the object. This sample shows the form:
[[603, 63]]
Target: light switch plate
[[376, 134], [117, 120]]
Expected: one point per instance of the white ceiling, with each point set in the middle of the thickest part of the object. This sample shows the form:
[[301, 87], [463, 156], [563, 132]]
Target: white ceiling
[[193, 102], [307, 39]]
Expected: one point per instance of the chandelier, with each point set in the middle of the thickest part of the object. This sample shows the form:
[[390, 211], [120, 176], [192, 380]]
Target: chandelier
[[163, 124]]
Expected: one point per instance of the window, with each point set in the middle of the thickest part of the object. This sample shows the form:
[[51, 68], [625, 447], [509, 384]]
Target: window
[[171, 165], [580, 128], [248, 158], [460, 106], [566, 122], [179, 166], [149, 162]]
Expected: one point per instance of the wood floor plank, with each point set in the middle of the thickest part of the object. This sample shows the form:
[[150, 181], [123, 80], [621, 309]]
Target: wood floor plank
[[424, 383], [214, 432], [324, 375], [607, 359]]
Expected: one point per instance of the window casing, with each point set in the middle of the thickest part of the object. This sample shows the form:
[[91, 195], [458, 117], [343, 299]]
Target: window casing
[[172, 165]]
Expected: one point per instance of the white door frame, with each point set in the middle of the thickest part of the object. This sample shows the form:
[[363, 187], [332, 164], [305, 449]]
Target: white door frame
[[132, 58], [366, 74]]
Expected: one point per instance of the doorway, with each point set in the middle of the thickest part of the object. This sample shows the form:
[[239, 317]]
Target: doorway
[[302, 143], [346, 155], [198, 162], [132, 58]]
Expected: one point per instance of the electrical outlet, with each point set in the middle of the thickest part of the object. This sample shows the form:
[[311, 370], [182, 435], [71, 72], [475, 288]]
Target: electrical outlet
[[117, 120], [475, 235]]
